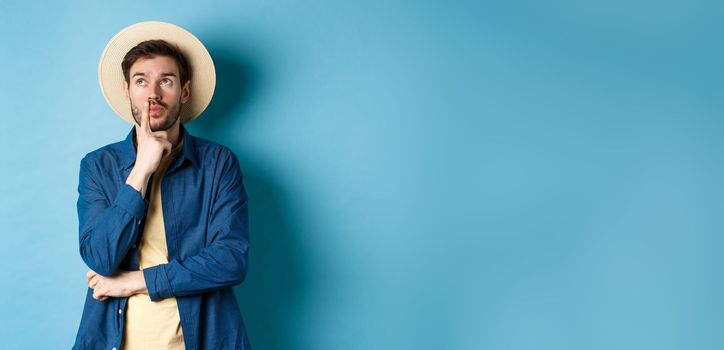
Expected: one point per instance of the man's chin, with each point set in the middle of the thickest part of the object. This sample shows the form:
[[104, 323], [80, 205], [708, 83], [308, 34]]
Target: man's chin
[[163, 125]]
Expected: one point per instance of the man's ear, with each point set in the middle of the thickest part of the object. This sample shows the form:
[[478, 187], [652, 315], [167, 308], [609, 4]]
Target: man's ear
[[125, 89], [186, 91]]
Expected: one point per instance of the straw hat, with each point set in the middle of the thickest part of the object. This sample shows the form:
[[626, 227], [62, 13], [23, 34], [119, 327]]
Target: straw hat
[[110, 74]]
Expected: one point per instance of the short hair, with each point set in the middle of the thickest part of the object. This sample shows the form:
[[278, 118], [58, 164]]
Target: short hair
[[154, 48]]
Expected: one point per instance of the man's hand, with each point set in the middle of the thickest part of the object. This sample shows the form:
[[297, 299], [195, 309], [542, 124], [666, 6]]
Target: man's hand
[[122, 284], [151, 147]]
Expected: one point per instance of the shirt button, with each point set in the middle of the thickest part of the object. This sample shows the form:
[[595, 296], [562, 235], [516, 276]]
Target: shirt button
[[120, 311], [139, 222], [114, 349], [134, 246]]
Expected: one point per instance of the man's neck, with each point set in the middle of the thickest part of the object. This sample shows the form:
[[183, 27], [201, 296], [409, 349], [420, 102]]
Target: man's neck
[[174, 134]]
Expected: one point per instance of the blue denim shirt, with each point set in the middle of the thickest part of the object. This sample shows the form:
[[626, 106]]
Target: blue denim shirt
[[207, 233]]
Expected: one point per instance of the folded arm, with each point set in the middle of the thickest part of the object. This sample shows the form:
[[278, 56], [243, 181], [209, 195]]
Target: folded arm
[[223, 262]]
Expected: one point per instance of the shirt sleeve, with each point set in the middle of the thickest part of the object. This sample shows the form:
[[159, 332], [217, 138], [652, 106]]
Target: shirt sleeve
[[107, 228], [223, 262]]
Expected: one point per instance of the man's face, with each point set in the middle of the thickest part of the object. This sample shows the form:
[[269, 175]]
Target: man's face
[[156, 80]]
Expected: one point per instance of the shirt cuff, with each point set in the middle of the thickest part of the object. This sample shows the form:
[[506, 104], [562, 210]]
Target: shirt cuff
[[157, 282], [131, 201]]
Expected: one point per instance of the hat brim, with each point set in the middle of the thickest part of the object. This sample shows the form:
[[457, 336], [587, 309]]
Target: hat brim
[[110, 73]]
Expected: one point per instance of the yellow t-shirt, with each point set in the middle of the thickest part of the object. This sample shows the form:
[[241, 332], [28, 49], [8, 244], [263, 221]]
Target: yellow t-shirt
[[149, 324]]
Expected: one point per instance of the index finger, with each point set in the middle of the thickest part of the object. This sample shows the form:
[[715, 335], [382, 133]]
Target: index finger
[[145, 123]]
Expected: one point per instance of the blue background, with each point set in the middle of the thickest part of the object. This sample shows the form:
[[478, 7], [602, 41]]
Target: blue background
[[422, 174]]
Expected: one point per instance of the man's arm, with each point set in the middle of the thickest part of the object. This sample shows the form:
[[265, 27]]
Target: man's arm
[[123, 284], [223, 262], [107, 230]]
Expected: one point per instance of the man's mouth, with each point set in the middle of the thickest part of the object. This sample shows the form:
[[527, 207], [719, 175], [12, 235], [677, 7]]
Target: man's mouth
[[155, 108]]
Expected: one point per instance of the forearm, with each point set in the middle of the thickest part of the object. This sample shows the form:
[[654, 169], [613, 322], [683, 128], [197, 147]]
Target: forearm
[[215, 267], [123, 284], [138, 283], [139, 181]]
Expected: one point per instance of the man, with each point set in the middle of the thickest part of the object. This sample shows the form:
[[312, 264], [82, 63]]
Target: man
[[163, 215]]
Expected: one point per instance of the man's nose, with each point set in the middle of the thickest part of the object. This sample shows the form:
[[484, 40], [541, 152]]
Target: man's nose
[[155, 94]]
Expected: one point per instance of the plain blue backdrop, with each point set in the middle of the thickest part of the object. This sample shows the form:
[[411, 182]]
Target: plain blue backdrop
[[422, 174]]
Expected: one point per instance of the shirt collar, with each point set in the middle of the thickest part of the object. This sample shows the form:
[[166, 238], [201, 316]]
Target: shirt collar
[[188, 149]]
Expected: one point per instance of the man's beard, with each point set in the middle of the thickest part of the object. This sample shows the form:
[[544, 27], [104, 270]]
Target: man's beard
[[169, 122]]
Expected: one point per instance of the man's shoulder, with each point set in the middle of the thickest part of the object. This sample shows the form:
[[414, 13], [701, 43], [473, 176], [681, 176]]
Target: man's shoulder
[[109, 152], [207, 149]]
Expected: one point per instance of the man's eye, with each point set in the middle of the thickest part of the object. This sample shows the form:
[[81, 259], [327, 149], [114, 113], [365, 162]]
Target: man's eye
[[140, 82], [166, 81]]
